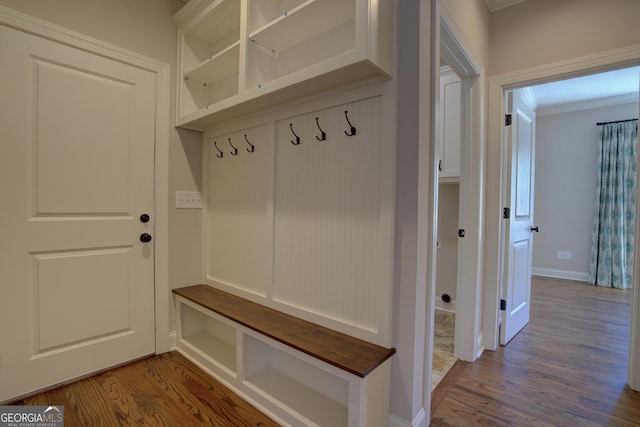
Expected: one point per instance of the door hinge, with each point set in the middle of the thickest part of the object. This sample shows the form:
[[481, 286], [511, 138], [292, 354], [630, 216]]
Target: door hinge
[[507, 119], [503, 305], [461, 232], [506, 213]]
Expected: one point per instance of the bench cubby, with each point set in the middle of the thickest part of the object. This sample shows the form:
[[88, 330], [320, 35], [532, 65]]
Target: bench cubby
[[296, 371]]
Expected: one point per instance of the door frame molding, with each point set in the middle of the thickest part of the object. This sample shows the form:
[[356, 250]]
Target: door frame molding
[[605, 61], [28, 24], [457, 52]]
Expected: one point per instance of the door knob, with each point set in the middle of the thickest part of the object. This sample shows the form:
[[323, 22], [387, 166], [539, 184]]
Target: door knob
[[145, 238], [144, 218], [534, 229]]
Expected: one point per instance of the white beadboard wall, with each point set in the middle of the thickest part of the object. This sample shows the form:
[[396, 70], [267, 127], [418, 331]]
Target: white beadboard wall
[[327, 216], [238, 219], [307, 229]]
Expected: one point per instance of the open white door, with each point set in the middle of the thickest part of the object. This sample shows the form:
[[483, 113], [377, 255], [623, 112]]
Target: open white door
[[519, 229], [77, 134]]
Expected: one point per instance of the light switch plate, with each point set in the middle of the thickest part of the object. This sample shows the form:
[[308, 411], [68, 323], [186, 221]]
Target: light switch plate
[[188, 200]]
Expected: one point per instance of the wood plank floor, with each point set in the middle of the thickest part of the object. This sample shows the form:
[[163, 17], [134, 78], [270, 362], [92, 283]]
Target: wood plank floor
[[568, 367], [164, 390]]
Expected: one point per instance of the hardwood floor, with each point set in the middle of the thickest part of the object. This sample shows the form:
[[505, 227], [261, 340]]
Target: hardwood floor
[[164, 390], [568, 367]]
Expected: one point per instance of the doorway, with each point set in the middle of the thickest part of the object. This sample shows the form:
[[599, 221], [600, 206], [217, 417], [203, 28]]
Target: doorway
[[467, 194], [566, 154], [493, 271]]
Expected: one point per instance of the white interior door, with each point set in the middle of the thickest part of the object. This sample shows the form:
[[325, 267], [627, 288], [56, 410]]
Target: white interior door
[[76, 174], [520, 141]]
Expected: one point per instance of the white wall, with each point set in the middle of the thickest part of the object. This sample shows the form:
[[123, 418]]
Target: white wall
[[447, 264], [537, 32], [565, 187], [408, 376]]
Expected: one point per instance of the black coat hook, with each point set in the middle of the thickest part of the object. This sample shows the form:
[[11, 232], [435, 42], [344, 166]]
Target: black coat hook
[[323, 133], [220, 153], [253, 148], [294, 134], [235, 150], [353, 129]]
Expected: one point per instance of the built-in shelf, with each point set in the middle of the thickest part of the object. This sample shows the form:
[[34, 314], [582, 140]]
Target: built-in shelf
[[299, 372], [317, 395], [214, 348], [282, 51], [306, 21], [210, 336], [304, 400], [218, 67]]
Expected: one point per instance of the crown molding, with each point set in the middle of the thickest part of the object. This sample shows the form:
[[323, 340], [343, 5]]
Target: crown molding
[[590, 104], [494, 5]]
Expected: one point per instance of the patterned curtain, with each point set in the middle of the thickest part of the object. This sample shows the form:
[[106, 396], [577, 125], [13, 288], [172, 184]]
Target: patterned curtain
[[613, 224]]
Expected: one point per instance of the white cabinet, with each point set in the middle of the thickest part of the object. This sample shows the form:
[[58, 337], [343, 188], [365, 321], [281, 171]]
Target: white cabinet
[[239, 56], [450, 126]]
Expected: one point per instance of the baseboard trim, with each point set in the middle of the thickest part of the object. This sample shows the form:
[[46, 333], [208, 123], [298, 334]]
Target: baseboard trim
[[561, 274], [173, 340], [444, 306], [418, 421]]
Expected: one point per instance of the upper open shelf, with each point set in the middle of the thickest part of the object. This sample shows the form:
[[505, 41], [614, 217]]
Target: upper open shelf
[[239, 57], [218, 67], [306, 21]]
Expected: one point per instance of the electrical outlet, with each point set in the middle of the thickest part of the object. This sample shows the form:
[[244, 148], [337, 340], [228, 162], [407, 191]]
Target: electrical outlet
[[560, 254], [568, 255], [188, 200]]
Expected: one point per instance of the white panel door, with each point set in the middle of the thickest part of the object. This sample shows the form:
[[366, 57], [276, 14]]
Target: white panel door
[[519, 233], [76, 174]]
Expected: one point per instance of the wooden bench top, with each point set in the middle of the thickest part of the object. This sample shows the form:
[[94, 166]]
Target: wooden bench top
[[343, 351]]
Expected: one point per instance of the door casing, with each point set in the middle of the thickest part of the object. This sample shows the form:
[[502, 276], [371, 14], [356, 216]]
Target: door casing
[[606, 61], [468, 336]]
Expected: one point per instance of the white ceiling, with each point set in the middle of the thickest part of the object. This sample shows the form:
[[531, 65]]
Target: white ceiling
[[613, 87]]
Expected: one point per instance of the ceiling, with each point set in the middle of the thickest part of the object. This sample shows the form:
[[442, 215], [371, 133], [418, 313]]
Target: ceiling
[[613, 87]]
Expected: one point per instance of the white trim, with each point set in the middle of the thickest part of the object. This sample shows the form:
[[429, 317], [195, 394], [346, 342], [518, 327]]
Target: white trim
[[630, 98], [634, 340], [47, 30], [479, 344], [605, 61], [494, 5], [418, 421], [469, 283], [40, 28], [426, 222], [561, 274], [529, 98], [161, 197], [449, 307]]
